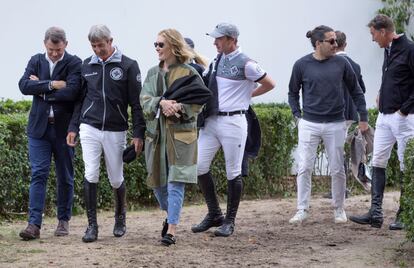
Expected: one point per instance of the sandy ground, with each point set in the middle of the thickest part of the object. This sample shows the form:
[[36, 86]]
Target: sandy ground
[[263, 238]]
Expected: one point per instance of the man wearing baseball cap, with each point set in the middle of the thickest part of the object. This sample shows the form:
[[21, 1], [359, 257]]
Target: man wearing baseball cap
[[232, 77]]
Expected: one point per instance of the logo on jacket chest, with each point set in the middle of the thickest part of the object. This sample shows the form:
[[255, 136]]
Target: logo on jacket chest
[[229, 70], [91, 74], [116, 73]]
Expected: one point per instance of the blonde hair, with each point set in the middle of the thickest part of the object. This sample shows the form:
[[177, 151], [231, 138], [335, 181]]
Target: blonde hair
[[199, 59], [178, 45]]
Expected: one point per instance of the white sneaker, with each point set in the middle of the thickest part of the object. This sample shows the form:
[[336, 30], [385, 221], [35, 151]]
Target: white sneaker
[[299, 217], [340, 216]]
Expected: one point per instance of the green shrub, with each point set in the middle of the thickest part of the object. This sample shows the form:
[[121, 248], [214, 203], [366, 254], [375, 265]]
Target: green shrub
[[407, 199], [269, 173], [8, 106], [15, 174]]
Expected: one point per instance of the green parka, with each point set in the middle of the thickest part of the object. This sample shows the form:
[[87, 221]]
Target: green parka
[[173, 138]]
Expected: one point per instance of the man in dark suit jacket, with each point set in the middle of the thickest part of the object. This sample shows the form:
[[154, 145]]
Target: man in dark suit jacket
[[350, 109], [53, 79]]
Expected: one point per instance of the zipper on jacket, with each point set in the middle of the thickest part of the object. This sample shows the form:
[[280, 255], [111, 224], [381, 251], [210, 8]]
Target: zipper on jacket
[[87, 109], [103, 96], [119, 109]]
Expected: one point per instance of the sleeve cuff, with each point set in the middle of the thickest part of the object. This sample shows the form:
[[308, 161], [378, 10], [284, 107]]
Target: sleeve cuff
[[404, 111], [363, 117]]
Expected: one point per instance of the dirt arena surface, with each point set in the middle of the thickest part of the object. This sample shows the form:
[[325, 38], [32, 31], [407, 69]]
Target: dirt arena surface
[[263, 238]]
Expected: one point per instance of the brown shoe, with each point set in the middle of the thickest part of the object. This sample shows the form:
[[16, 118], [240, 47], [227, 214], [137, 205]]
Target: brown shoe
[[30, 232], [62, 229]]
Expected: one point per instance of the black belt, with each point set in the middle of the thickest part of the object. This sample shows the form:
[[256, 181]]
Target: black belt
[[51, 120], [231, 113]]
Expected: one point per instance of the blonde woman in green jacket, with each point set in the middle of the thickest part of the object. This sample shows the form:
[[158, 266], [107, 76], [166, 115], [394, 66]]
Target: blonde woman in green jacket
[[171, 136]]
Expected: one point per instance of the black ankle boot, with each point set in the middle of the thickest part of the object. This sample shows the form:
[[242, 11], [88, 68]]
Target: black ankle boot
[[234, 191], [374, 217], [120, 211], [91, 233], [397, 224], [214, 218]]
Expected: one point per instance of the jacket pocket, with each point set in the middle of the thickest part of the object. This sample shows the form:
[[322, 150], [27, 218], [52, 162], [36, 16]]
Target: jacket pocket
[[87, 109], [186, 137], [182, 148]]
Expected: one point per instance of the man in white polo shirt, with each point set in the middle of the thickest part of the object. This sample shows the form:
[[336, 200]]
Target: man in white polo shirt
[[232, 77]]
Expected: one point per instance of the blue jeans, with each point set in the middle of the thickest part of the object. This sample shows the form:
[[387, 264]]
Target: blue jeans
[[171, 197], [40, 155]]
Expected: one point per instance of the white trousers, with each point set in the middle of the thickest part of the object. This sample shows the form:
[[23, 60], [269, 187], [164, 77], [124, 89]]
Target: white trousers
[[112, 144], [333, 137], [410, 118], [229, 132], [390, 128]]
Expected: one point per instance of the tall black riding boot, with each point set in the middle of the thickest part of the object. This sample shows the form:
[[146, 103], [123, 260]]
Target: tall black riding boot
[[374, 215], [214, 216], [234, 191], [120, 210], [398, 224], [91, 233]]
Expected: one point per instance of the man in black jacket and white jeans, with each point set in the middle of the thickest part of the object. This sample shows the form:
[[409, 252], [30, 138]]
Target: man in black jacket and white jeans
[[111, 82], [395, 102]]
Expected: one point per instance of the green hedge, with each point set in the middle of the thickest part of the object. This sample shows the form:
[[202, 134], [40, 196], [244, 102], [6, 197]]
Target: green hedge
[[269, 172], [407, 199], [8, 106]]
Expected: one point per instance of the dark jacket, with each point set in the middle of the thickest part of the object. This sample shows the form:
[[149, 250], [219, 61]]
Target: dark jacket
[[198, 67], [107, 90], [350, 112], [211, 108], [189, 89], [397, 87], [62, 100]]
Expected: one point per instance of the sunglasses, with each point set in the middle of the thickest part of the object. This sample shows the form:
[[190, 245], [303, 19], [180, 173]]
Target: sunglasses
[[330, 41], [159, 44]]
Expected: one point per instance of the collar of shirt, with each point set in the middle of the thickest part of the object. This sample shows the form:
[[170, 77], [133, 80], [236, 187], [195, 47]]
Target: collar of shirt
[[52, 64], [342, 53], [388, 49], [110, 57], [233, 54]]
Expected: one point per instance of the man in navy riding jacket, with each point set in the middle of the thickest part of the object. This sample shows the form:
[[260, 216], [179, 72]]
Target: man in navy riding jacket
[[53, 79], [111, 82]]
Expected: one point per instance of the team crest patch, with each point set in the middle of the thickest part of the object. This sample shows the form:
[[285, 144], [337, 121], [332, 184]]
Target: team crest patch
[[116, 73], [234, 70], [139, 78]]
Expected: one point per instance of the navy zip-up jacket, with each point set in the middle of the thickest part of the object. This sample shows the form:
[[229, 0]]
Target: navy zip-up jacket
[[62, 100], [107, 90], [397, 87]]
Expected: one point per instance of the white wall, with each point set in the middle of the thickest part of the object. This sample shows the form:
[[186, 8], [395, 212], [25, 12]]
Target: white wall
[[272, 32]]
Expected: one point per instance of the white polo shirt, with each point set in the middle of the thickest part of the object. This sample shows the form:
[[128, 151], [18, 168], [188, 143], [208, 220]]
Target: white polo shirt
[[236, 79]]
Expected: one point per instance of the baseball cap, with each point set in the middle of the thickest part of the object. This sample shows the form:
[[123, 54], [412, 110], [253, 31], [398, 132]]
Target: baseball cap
[[224, 29], [189, 42], [129, 154]]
